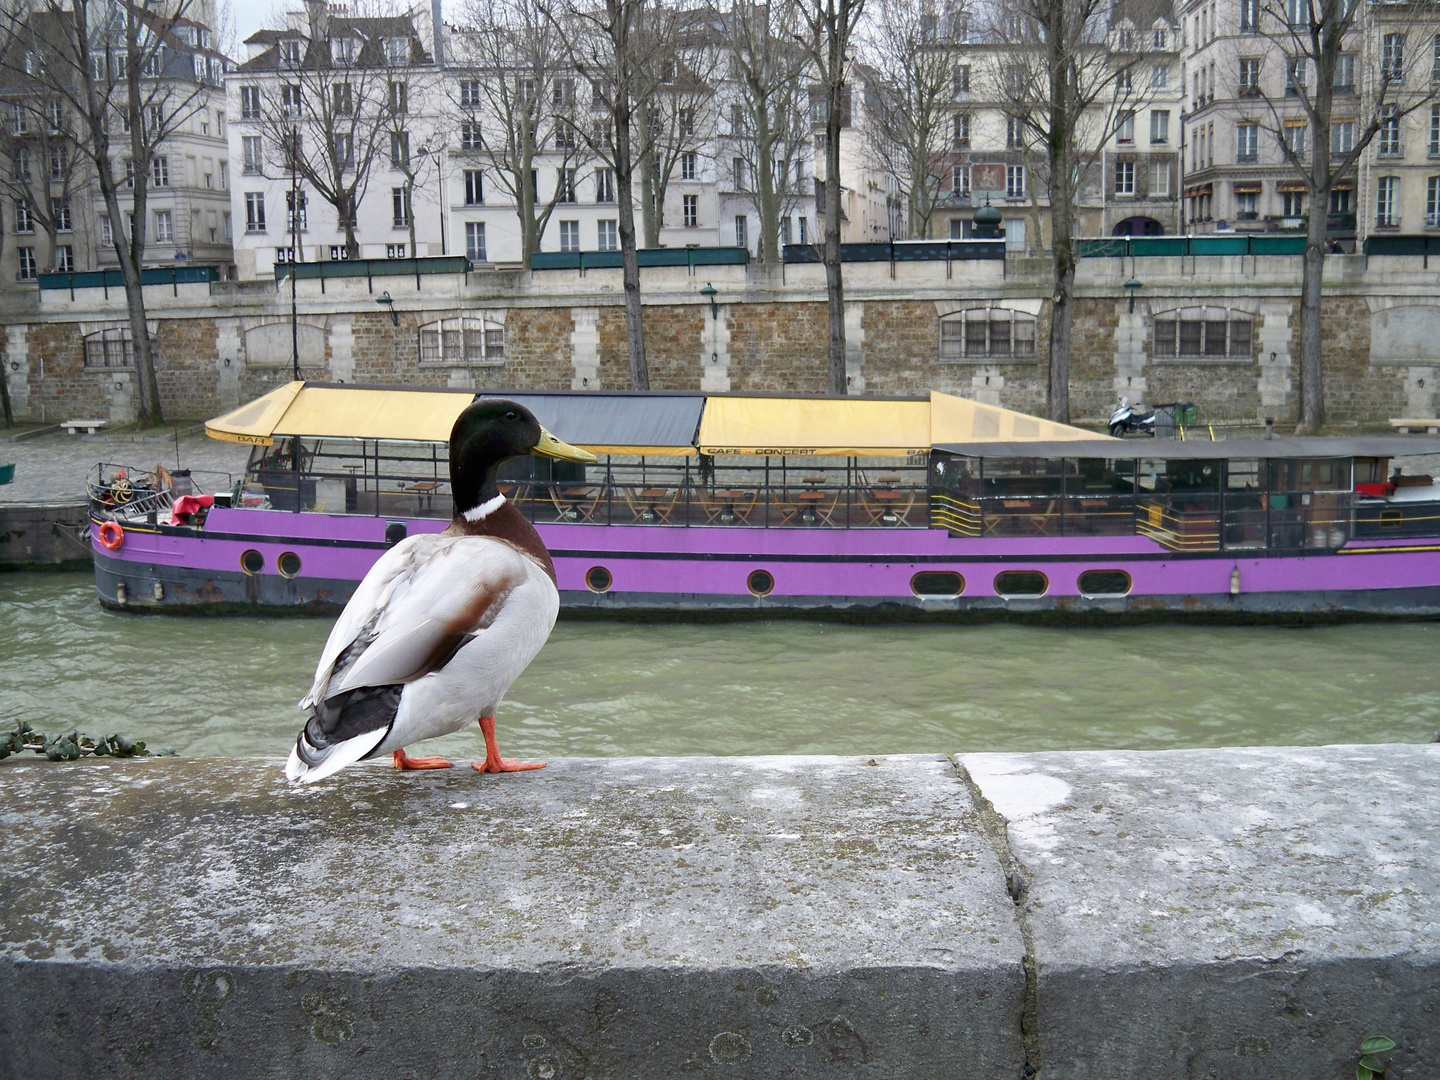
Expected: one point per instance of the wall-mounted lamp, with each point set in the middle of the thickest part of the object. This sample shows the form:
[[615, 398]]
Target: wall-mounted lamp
[[119, 386], [227, 361], [1130, 287], [384, 298], [14, 365], [709, 293]]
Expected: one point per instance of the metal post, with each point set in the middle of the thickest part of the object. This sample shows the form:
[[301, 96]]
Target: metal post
[[294, 245]]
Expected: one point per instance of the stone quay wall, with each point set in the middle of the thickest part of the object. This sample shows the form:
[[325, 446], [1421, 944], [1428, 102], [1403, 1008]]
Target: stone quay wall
[[1236, 914], [220, 345]]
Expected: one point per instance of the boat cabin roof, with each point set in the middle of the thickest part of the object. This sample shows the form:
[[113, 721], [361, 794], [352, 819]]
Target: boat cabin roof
[[1360, 446]]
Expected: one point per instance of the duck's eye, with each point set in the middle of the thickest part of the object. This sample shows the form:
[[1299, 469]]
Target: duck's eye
[[509, 416]]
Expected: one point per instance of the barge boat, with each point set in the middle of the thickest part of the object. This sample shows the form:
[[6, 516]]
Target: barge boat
[[865, 508]]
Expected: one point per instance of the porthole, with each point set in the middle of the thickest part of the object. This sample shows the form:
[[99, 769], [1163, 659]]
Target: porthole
[[252, 562], [288, 564], [760, 583], [1021, 583], [598, 579], [943, 584], [1105, 583]]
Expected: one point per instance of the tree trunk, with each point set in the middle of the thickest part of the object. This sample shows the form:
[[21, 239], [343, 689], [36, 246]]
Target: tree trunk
[[525, 207], [410, 206], [1062, 242], [5, 396], [352, 246], [767, 201], [1312, 387], [834, 282], [634, 325], [648, 218], [131, 258]]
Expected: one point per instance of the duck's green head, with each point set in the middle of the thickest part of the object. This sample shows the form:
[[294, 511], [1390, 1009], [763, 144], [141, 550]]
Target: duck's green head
[[489, 432]]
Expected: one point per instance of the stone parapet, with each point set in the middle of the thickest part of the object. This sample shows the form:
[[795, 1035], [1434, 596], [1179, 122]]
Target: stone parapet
[[1218, 913]]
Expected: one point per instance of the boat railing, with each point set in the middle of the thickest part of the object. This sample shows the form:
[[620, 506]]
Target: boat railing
[[1181, 521], [128, 493]]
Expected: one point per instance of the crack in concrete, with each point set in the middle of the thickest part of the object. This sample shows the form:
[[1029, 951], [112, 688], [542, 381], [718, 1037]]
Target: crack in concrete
[[1017, 884]]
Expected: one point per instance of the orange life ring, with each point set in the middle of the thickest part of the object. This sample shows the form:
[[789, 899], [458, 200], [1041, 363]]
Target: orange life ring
[[112, 536]]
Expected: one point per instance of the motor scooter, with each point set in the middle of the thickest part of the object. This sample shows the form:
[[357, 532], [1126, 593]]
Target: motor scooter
[[1128, 420]]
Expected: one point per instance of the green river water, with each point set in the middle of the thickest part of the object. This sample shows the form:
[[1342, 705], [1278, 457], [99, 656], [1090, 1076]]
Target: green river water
[[228, 686]]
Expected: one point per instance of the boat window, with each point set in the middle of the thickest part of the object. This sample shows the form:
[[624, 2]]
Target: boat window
[[1310, 474], [937, 583], [760, 583], [1021, 583], [1021, 477], [598, 579], [288, 564], [1104, 583], [252, 562], [1372, 470]]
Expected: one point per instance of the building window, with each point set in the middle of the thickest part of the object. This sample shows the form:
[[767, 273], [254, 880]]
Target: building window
[[164, 227], [106, 236], [1014, 133], [1340, 200], [960, 181], [59, 163], [1292, 204], [470, 135], [395, 251], [803, 229], [1204, 332], [60, 215], [1432, 203], [1387, 202], [987, 332], [1014, 181], [160, 172], [1345, 73], [609, 236], [1389, 134], [1297, 14], [254, 212], [1392, 58], [690, 208], [1160, 180], [1342, 137], [345, 151], [569, 236], [687, 166], [1247, 142], [960, 81], [295, 220], [397, 51], [65, 259], [960, 139], [27, 264], [1249, 77], [342, 50], [229, 233], [109, 349], [1249, 17], [1159, 126], [605, 185], [1159, 76], [284, 255], [400, 205], [475, 241], [249, 103], [1295, 132], [474, 187], [342, 98], [250, 144], [290, 101], [24, 219], [740, 229], [469, 93], [1434, 130], [1245, 205], [399, 149], [737, 172], [457, 342], [565, 186], [1124, 178], [399, 99], [1295, 72], [20, 160]]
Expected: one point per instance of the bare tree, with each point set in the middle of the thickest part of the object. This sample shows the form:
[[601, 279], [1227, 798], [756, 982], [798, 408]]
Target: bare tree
[[114, 64], [327, 119], [1309, 37], [769, 120], [681, 105], [517, 96], [829, 27], [42, 171], [1065, 83], [616, 45], [414, 148], [912, 49]]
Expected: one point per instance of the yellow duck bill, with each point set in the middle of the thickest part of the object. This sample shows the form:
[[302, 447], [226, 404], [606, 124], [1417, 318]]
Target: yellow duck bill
[[551, 447]]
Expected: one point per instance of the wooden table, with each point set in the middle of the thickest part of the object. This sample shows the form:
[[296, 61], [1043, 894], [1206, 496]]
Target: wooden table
[[425, 489], [650, 500], [724, 499], [889, 501], [815, 501]]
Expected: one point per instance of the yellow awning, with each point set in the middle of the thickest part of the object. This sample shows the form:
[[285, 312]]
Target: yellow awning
[[960, 420], [254, 422], [814, 427], [343, 412]]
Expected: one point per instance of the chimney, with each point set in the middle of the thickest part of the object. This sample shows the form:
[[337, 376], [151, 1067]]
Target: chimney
[[437, 28], [319, 19]]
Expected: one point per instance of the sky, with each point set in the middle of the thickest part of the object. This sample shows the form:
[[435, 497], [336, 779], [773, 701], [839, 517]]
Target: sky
[[251, 15]]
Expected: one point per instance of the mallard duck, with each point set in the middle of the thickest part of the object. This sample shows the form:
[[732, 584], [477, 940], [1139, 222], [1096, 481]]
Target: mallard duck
[[444, 622]]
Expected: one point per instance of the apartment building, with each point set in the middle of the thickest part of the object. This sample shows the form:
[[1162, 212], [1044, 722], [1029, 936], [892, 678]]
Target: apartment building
[[1399, 176], [54, 216], [359, 100]]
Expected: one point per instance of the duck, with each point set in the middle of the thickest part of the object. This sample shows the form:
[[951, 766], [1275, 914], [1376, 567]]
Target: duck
[[444, 622]]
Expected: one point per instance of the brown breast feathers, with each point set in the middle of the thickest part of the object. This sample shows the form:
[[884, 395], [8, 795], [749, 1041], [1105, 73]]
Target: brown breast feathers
[[508, 524]]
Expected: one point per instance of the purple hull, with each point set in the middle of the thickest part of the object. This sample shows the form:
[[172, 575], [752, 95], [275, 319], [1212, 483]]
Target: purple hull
[[314, 561]]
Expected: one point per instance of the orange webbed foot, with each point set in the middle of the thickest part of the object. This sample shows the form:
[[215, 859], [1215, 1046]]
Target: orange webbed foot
[[404, 761], [493, 762]]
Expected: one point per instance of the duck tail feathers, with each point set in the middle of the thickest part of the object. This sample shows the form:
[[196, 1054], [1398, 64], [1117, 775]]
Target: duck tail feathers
[[308, 764]]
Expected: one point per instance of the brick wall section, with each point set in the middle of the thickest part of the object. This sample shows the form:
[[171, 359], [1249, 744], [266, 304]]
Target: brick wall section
[[778, 348], [1092, 358], [672, 345], [185, 351], [1354, 388], [902, 350], [537, 350], [1220, 391], [614, 352], [68, 391]]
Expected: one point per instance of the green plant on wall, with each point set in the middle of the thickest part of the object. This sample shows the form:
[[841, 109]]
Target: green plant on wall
[[1371, 1063]]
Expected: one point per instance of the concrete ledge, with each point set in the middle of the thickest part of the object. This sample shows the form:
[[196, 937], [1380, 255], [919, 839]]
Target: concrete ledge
[[1227, 913], [31, 538]]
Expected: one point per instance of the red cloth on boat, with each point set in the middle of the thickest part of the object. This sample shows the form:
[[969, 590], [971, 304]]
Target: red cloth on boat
[[186, 505]]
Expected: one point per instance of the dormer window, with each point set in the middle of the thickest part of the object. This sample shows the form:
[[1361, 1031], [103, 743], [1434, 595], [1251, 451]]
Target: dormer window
[[1161, 37], [290, 52], [397, 52], [342, 50]]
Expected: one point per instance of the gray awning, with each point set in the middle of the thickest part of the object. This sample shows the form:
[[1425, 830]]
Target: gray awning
[[1386, 446], [617, 423]]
